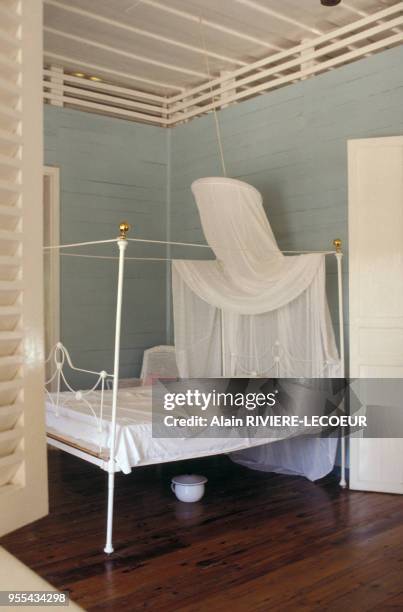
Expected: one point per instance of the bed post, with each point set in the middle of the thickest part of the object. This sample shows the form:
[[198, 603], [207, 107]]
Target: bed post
[[339, 257], [122, 244]]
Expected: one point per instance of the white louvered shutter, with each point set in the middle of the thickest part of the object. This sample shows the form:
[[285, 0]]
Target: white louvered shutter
[[23, 474]]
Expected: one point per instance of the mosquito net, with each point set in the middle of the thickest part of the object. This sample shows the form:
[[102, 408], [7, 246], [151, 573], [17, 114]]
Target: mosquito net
[[251, 311]]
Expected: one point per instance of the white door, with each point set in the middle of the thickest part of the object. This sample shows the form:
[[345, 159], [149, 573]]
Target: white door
[[376, 296], [23, 471]]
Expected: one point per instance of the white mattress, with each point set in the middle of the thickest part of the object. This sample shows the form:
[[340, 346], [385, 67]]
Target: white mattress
[[134, 442]]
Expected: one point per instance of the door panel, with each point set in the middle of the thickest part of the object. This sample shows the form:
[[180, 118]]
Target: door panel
[[23, 475], [376, 297]]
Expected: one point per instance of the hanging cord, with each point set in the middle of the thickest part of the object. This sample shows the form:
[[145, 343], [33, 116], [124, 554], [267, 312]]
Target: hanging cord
[[216, 121]]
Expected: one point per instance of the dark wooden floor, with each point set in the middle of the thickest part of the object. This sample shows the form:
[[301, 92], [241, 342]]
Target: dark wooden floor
[[257, 542]]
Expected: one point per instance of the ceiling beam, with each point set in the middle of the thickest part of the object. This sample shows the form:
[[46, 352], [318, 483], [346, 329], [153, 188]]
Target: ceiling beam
[[107, 108], [211, 24], [127, 54], [99, 86], [280, 16], [313, 54], [74, 63], [353, 9], [141, 32], [296, 50], [108, 87], [356, 11], [83, 92], [316, 68]]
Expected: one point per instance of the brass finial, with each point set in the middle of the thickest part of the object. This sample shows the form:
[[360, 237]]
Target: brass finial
[[337, 245], [124, 228]]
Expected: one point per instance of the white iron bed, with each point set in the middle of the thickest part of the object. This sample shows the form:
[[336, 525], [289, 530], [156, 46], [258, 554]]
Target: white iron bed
[[71, 423], [113, 429]]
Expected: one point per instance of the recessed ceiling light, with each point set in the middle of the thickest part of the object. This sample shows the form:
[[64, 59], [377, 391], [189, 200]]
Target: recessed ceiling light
[[330, 2], [95, 78], [81, 75]]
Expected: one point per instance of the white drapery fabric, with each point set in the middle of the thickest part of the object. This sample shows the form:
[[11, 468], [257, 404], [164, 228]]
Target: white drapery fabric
[[252, 311]]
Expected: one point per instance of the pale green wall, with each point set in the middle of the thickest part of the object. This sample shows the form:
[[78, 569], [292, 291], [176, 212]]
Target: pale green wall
[[110, 170]]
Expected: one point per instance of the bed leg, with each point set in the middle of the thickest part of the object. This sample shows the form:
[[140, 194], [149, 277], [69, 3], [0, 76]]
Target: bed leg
[[109, 524], [122, 244], [343, 482], [339, 258]]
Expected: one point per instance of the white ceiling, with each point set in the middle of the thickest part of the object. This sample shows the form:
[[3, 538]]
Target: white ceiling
[[159, 45]]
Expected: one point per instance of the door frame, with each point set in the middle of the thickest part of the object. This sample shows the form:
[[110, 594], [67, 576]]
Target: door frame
[[52, 191]]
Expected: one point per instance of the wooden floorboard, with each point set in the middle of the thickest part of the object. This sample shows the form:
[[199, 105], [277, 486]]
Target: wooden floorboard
[[256, 542]]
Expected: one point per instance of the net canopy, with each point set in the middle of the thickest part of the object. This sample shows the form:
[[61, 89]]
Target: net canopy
[[252, 311]]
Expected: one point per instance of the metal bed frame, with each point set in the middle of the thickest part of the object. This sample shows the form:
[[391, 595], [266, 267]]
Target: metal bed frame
[[105, 458]]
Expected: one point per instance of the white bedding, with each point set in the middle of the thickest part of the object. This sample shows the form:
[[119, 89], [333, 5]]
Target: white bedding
[[134, 442]]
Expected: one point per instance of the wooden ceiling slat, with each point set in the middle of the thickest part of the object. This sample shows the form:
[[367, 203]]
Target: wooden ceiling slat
[[157, 44]]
